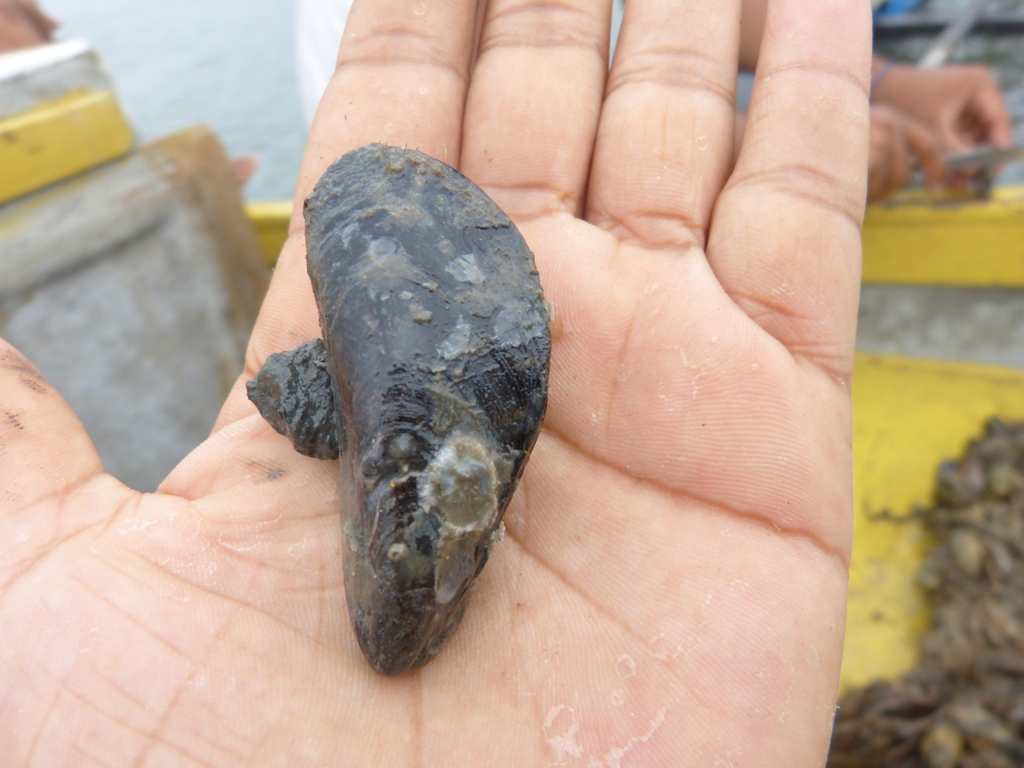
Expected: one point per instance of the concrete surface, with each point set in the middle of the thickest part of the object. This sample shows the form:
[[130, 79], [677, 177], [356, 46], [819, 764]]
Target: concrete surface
[[32, 76], [982, 325], [134, 288]]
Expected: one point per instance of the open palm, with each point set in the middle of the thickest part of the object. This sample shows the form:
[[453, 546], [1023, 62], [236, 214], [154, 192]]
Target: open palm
[[672, 587]]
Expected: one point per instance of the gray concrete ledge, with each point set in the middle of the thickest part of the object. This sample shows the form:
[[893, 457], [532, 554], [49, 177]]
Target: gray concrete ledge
[[134, 288]]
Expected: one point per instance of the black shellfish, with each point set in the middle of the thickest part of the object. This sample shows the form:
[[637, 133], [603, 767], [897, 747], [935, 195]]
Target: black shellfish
[[435, 353]]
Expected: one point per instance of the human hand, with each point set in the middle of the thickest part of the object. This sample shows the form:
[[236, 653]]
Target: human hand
[[672, 587], [962, 105], [24, 25], [898, 145]]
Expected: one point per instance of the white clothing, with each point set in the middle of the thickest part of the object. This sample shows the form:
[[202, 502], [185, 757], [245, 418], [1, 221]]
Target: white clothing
[[319, 27]]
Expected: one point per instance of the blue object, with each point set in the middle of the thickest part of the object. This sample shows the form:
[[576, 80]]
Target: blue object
[[897, 7]]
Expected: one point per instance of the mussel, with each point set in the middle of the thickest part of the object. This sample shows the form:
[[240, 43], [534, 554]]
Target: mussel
[[430, 382]]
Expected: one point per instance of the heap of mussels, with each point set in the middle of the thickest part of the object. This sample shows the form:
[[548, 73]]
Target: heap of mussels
[[963, 706]]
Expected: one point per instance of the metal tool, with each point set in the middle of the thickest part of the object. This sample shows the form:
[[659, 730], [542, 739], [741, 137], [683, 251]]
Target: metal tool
[[984, 158], [951, 36]]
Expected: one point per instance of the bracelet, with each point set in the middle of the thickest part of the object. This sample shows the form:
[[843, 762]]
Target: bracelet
[[879, 76]]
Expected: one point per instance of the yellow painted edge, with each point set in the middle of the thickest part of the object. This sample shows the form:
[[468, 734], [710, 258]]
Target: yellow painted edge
[[908, 416], [921, 240], [270, 219], [60, 138], [916, 241]]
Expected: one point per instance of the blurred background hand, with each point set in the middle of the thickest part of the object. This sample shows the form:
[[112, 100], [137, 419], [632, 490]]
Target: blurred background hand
[[961, 105], [900, 145]]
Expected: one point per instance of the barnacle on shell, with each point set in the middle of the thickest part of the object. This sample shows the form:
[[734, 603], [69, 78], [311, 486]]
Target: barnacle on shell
[[435, 347]]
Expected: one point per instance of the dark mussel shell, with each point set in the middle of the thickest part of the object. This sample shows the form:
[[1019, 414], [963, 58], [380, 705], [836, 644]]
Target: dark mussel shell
[[437, 341]]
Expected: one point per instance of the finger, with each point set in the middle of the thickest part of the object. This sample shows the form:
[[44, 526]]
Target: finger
[[993, 117], [533, 105], [899, 163], [881, 131], [879, 177], [401, 79], [664, 143], [895, 160], [882, 138], [43, 446], [402, 75], [785, 240], [952, 135], [923, 144], [45, 454]]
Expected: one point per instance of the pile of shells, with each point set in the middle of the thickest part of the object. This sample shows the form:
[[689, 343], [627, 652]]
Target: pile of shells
[[963, 706]]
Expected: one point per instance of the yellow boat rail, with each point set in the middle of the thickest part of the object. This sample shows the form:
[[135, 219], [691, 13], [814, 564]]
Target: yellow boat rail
[[914, 240], [908, 416], [60, 138], [922, 240], [270, 219]]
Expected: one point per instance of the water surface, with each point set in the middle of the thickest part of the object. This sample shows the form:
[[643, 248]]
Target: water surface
[[227, 63]]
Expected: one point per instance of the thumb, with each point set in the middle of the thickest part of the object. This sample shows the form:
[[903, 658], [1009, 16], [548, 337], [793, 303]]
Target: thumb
[[45, 455]]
